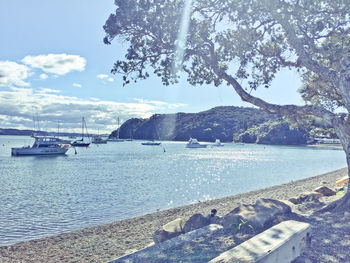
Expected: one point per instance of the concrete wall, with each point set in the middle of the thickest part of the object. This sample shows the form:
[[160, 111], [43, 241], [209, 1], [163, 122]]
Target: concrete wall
[[281, 243]]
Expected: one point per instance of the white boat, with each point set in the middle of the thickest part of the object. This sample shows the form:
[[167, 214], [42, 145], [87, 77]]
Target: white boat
[[193, 143], [98, 140], [43, 145], [217, 143]]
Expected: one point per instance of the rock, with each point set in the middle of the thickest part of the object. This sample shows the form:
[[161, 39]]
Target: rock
[[257, 216], [295, 201], [339, 188], [160, 235], [215, 220], [306, 197], [278, 207], [194, 222], [325, 191], [176, 225], [265, 212], [169, 230], [231, 220]]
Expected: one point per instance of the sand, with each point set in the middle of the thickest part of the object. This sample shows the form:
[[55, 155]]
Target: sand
[[107, 242]]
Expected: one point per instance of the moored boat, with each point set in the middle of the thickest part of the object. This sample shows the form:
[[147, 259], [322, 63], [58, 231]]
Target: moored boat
[[193, 143], [98, 140], [81, 142], [217, 143], [116, 138], [43, 145], [151, 143]]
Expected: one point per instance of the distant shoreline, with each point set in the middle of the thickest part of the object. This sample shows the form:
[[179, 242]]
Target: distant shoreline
[[109, 241], [327, 146], [334, 146]]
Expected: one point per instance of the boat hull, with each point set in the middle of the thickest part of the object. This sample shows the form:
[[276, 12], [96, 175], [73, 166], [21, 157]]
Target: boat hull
[[75, 144], [38, 151], [150, 143]]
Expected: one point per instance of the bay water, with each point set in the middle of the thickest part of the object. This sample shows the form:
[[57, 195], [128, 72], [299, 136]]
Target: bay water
[[47, 195]]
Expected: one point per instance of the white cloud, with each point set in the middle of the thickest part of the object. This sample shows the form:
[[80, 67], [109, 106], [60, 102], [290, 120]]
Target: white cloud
[[161, 105], [77, 85], [46, 90], [18, 105], [105, 77], [13, 74], [102, 76], [154, 102], [43, 76], [59, 64]]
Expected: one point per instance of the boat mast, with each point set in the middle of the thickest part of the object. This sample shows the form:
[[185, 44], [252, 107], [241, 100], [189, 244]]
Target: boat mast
[[118, 129], [37, 119], [82, 127]]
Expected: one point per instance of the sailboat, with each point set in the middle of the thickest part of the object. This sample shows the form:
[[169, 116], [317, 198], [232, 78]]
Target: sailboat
[[81, 142], [116, 139]]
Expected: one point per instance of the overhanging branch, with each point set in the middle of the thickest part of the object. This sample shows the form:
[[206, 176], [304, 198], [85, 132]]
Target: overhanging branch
[[286, 110]]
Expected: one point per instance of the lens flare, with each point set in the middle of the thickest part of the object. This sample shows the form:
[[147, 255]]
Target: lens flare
[[182, 37]]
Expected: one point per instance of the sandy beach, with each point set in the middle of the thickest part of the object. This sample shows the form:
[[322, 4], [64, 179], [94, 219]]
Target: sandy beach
[[110, 241]]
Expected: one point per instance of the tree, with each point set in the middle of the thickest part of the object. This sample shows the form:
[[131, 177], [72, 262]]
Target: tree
[[243, 41]]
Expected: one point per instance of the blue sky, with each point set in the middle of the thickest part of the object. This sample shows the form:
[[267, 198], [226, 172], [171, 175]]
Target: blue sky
[[53, 64]]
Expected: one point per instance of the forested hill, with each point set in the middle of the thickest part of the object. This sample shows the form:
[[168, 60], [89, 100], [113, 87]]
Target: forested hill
[[222, 123]]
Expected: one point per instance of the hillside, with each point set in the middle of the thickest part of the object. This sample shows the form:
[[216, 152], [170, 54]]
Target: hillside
[[222, 123]]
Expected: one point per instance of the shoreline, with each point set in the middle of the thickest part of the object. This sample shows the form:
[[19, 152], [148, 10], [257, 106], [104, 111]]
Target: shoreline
[[109, 241]]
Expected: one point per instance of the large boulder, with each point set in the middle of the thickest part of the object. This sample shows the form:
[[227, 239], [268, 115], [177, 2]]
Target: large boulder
[[196, 221], [169, 230], [215, 220], [257, 216], [235, 217]]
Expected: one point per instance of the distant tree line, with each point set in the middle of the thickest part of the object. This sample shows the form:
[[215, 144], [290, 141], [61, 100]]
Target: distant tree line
[[227, 123]]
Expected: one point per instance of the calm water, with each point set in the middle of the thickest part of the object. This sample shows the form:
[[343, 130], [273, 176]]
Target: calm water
[[42, 196]]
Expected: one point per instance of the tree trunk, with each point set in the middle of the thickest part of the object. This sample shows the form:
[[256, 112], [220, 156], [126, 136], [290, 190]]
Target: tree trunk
[[342, 129]]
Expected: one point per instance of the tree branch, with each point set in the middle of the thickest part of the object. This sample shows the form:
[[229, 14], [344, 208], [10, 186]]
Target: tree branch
[[297, 43], [287, 110]]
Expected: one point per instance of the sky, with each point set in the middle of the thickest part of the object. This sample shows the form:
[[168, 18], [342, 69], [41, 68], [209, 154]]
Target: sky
[[55, 68]]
